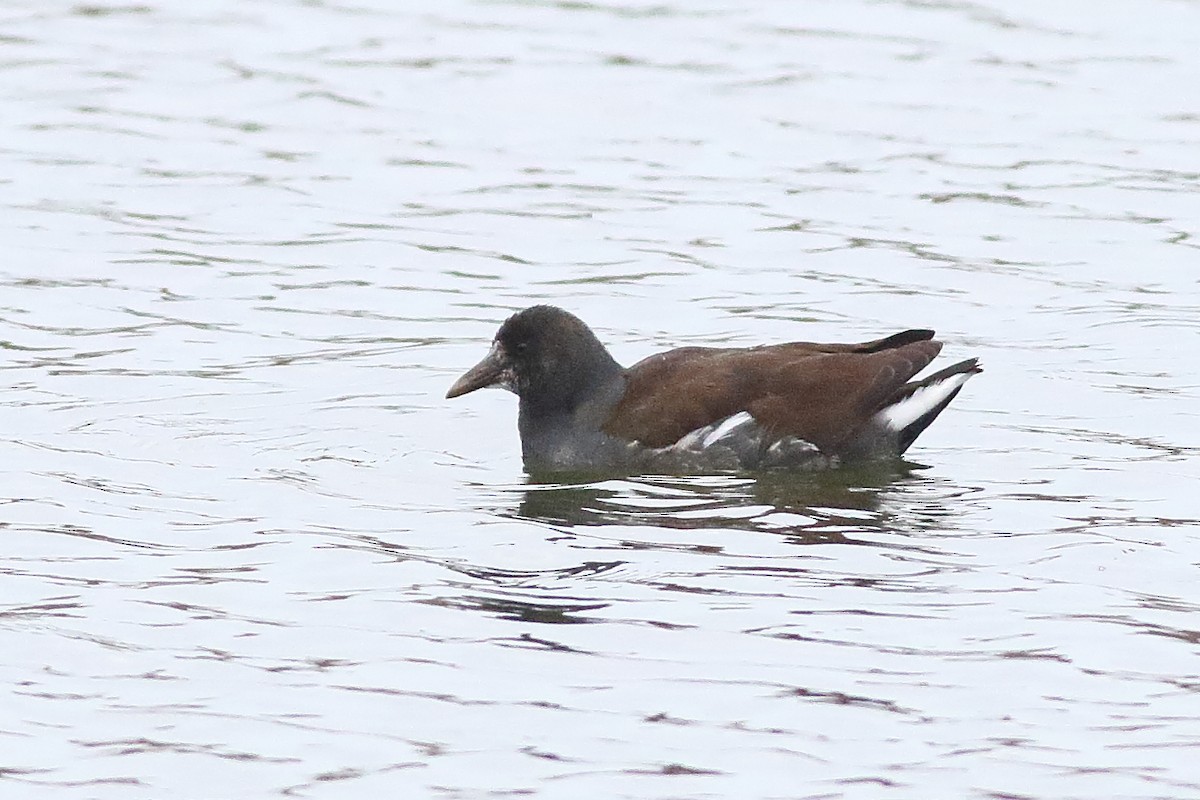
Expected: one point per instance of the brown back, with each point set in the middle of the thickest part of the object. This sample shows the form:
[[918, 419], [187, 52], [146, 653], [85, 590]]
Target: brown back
[[822, 393]]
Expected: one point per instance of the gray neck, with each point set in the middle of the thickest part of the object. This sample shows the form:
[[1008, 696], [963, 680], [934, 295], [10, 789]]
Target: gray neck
[[569, 436]]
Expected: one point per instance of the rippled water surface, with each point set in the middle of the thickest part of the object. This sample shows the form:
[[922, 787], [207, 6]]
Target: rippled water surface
[[250, 551]]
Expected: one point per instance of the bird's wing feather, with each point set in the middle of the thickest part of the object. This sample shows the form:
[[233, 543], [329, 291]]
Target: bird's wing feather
[[820, 393]]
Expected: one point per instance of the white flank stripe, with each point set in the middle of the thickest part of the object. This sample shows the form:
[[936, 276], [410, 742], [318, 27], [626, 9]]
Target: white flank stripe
[[899, 416], [726, 427]]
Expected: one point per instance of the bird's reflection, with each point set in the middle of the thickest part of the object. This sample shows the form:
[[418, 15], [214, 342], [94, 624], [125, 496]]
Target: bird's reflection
[[814, 506], [597, 516]]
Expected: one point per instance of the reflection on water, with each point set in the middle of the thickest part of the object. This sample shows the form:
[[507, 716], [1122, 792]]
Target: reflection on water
[[804, 506], [521, 610]]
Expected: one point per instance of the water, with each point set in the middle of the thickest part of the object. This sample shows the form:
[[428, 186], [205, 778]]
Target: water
[[250, 551]]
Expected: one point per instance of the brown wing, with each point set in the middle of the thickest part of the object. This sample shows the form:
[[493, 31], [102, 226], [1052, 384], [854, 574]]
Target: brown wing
[[821, 393]]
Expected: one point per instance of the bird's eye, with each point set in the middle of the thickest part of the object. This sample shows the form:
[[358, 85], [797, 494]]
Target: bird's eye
[[521, 347]]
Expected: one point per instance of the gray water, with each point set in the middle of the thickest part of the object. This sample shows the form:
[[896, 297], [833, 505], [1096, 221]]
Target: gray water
[[250, 551]]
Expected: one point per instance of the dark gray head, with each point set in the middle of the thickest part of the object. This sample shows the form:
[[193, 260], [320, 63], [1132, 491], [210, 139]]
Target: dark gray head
[[547, 356]]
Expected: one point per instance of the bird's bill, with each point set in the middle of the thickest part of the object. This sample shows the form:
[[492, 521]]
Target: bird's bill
[[493, 370]]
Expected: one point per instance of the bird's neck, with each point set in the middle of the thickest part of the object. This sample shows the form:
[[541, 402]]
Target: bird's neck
[[562, 422]]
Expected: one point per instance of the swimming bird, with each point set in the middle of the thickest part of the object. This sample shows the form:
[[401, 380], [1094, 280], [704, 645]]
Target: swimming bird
[[799, 405]]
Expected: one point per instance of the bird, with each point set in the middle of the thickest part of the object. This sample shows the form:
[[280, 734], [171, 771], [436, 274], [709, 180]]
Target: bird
[[798, 405]]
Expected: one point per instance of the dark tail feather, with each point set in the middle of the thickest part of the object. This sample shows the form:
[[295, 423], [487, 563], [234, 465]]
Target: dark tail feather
[[894, 341]]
